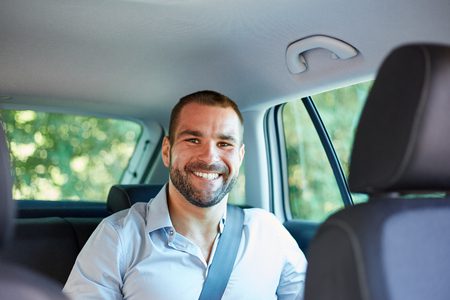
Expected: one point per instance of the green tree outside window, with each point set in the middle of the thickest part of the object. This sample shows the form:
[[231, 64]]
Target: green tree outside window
[[67, 157], [313, 192]]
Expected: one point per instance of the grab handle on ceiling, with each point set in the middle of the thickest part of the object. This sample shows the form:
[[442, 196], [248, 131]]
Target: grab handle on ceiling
[[295, 60]]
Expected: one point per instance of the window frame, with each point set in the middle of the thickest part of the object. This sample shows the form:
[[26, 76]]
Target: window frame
[[143, 164], [276, 163], [327, 145]]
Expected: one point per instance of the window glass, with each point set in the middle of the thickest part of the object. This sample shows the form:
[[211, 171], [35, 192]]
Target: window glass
[[67, 157], [237, 194], [313, 191], [340, 111]]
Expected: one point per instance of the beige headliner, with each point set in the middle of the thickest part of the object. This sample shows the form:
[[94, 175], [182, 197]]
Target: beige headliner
[[136, 58]]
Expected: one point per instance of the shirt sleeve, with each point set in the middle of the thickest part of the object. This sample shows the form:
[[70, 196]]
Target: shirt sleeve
[[292, 280], [96, 273]]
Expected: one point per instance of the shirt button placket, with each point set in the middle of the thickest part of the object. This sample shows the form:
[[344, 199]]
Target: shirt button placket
[[171, 233]]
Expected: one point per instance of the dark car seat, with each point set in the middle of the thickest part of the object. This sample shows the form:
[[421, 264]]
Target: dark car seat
[[395, 246], [15, 282], [123, 196]]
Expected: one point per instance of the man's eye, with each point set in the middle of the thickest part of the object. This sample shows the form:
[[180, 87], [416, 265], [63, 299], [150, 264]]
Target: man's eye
[[222, 145], [193, 141]]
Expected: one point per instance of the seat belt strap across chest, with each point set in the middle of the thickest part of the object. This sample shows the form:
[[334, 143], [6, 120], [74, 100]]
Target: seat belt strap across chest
[[225, 255]]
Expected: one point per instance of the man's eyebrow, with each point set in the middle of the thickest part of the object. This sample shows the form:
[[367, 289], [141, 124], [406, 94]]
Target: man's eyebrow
[[228, 137], [191, 132], [221, 136]]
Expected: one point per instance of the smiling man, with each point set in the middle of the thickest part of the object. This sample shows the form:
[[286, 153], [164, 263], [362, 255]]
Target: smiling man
[[163, 249]]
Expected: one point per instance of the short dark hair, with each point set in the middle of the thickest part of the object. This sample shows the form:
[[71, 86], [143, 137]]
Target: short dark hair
[[206, 97]]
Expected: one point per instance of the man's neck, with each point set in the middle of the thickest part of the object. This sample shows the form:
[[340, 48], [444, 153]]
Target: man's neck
[[198, 224]]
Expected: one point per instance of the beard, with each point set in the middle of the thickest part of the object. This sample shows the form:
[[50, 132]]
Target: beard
[[202, 198]]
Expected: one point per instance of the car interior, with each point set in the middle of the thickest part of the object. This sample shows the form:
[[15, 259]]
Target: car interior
[[17, 282], [381, 245], [345, 114]]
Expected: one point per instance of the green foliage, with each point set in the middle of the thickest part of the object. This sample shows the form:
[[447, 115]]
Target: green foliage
[[313, 191], [67, 157], [340, 111]]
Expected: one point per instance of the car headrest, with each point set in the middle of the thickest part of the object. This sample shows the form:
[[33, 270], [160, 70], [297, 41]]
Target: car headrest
[[7, 204], [123, 196], [402, 142]]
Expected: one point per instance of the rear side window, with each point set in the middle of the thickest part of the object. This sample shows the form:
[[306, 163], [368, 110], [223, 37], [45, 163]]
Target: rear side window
[[313, 190], [67, 157]]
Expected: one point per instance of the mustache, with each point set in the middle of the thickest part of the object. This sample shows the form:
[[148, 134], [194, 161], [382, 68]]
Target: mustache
[[203, 166]]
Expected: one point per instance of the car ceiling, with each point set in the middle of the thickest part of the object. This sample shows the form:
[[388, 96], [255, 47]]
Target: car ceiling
[[137, 58]]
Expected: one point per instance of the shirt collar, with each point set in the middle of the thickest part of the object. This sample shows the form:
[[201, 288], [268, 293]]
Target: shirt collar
[[158, 213]]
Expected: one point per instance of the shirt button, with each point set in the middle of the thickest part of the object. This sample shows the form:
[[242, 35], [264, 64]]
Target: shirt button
[[171, 232]]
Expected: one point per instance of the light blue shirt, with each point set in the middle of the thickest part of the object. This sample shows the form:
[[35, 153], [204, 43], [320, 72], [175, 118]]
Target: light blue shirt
[[136, 254]]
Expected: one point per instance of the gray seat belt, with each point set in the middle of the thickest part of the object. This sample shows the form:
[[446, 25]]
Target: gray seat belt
[[225, 256]]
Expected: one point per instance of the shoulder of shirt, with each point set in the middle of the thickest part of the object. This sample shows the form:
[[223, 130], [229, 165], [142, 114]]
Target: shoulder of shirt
[[262, 221], [133, 216], [260, 216]]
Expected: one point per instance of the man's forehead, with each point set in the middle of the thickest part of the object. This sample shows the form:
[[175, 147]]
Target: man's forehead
[[200, 113], [199, 119]]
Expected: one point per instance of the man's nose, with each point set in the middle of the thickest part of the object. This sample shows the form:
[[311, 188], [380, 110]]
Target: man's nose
[[209, 153]]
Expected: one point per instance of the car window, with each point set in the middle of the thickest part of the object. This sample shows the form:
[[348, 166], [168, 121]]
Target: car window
[[340, 111], [313, 191], [237, 194], [67, 157]]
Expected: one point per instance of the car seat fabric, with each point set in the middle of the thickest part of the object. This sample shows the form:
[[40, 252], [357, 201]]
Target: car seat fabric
[[401, 141], [123, 196], [394, 247], [15, 282]]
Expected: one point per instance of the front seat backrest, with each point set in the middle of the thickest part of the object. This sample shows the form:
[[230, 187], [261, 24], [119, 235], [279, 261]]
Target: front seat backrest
[[15, 282], [396, 246]]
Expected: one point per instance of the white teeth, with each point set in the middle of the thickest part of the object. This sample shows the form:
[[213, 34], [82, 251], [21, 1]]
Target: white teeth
[[209, 176]]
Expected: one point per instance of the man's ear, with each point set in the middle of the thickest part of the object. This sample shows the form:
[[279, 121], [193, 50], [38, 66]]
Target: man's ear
[[241, 153], [165, 151]]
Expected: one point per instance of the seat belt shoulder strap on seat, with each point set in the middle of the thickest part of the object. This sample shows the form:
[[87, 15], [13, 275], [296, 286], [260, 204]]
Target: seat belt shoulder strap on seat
[[225, 255]]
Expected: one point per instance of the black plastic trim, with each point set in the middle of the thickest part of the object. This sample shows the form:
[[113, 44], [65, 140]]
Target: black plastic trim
[[329, 150]]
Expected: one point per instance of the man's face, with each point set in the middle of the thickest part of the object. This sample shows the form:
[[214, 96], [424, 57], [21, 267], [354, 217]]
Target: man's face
[[206, 153]]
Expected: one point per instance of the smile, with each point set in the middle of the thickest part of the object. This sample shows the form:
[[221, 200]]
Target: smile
[[208, 176]]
